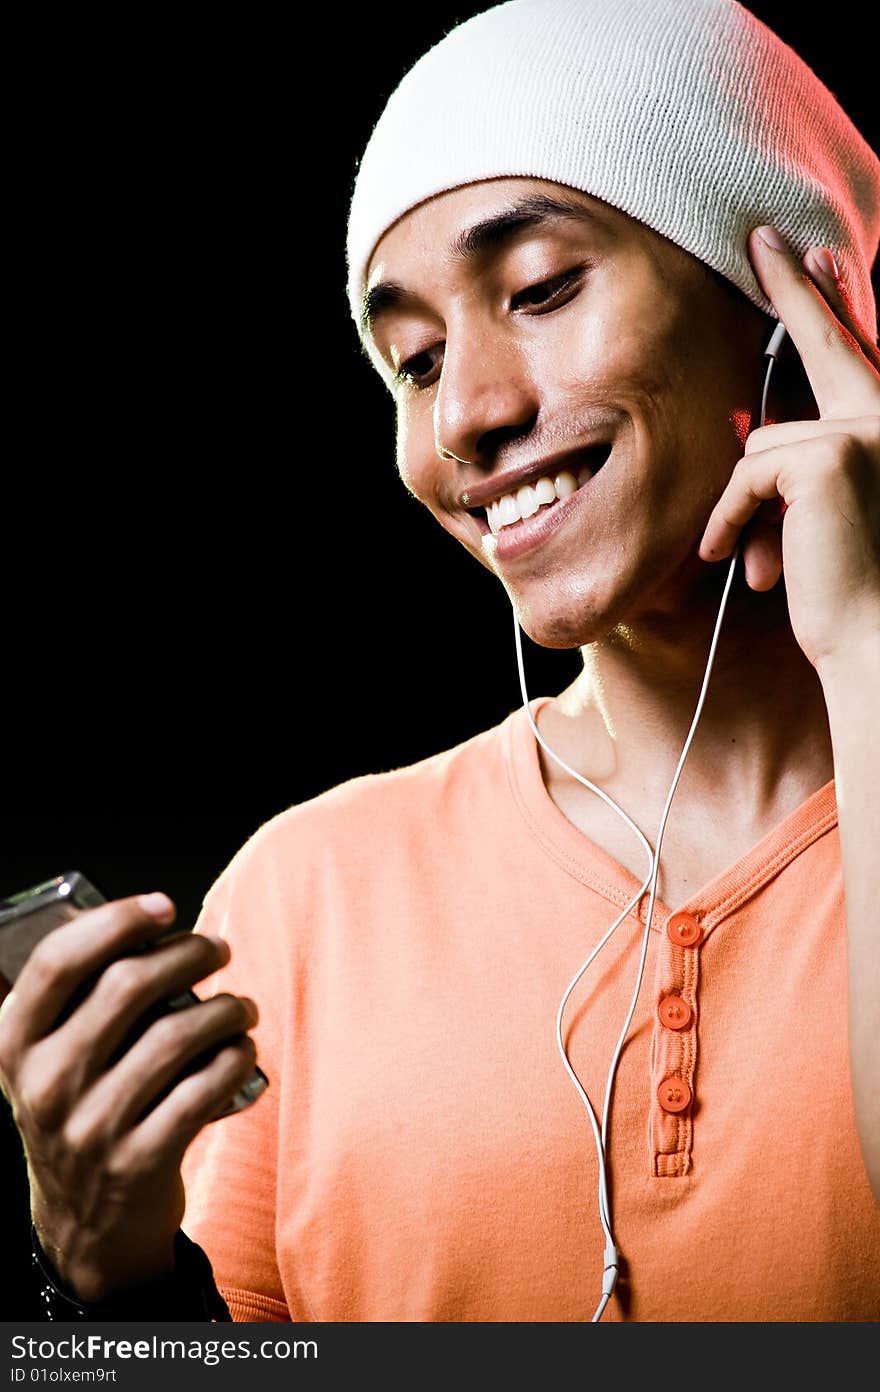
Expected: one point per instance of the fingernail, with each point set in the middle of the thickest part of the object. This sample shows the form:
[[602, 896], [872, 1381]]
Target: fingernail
[[156, 904], [824, 259], [772, 238]]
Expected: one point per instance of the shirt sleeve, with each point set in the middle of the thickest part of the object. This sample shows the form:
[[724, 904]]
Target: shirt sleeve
[[230, 1169]]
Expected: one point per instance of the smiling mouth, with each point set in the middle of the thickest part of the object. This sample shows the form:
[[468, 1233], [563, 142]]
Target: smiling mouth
[[543, 494]]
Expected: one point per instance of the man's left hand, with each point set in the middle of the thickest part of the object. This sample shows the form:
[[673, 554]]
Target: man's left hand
[[821, 476]]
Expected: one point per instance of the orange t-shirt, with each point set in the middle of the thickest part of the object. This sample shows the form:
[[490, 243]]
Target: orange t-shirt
[[421, 1153]]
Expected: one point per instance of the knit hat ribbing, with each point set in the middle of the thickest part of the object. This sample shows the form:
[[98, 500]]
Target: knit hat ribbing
[[689, 115]]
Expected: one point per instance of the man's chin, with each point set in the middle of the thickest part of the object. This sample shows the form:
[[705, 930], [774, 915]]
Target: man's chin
[[566, 623]]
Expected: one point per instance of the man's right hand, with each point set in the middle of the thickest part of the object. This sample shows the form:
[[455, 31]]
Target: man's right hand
[[104, 1126]]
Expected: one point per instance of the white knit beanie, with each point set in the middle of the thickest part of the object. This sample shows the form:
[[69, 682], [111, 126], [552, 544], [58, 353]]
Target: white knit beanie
[[690, 115]]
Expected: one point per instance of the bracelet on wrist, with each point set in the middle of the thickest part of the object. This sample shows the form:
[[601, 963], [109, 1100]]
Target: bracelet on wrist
[[188, 1292]]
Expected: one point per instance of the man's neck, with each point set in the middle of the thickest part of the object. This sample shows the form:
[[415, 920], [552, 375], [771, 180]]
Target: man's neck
[[762, 742]]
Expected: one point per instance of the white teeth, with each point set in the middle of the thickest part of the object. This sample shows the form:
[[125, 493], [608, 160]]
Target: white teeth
[[530, 498], [545, 491], [527, 500]]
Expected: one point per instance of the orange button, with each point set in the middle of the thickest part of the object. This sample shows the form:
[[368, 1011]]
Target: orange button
[[683, 929], [674, 1012], [674, 1095]]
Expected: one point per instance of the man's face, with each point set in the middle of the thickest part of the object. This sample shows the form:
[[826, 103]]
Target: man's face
[[580, 349]]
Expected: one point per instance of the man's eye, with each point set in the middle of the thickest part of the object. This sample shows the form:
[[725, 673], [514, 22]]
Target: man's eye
[[416, 371], [546, 292], [421, 370]]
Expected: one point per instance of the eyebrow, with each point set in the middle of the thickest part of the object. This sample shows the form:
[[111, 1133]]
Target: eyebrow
[[471, 244]]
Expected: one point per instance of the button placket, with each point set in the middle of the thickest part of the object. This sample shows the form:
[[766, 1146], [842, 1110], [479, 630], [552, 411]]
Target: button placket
[[674, 1046]]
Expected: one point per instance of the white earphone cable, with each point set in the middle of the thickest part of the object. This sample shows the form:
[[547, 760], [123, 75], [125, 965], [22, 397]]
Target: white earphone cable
[[600, 1136]]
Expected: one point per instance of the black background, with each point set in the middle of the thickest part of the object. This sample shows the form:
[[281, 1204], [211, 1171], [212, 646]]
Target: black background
[[218, 598]]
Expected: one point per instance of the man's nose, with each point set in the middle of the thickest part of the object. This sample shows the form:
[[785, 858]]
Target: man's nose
[[485, 392]]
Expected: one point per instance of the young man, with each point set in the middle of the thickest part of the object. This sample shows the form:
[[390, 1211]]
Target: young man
[[571, 237]]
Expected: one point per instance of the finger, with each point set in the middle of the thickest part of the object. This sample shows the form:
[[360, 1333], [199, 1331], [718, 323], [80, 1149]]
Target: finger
[[823, 270], [766, 437], [65, 959], [753, 482], [126, 991], [843, 381], [762, 551], [121, 1097], [170, 1127], [58, 1071]]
